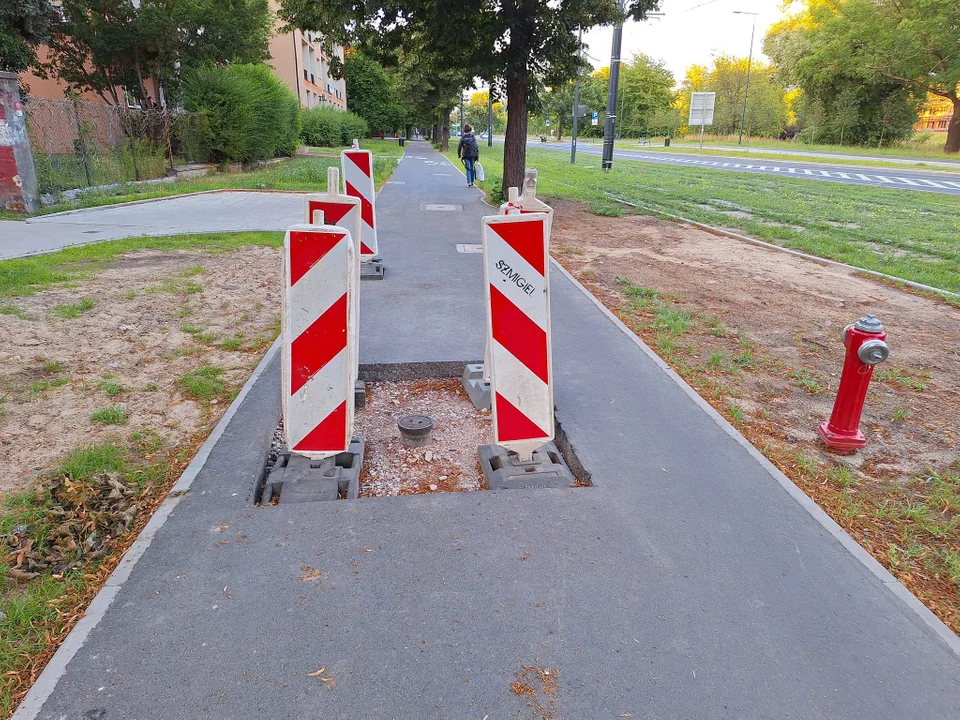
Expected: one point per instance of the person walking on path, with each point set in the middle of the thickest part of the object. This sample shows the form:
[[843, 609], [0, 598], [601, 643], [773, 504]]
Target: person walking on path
[[468, 151]]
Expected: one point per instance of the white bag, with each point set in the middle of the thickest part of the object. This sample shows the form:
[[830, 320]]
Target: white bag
[[478, 171]]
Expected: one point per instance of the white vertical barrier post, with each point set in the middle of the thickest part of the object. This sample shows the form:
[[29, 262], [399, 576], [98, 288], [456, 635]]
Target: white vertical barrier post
[[358, 182], [319, 340], [334, 208], [516, 278]]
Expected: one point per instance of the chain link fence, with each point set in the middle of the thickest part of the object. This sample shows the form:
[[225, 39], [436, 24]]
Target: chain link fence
[[79, 144]]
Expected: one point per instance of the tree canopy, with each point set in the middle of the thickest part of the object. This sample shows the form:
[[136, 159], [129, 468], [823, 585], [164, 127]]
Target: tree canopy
[[523, 44], [372, 93], [879, 56], [103, 46], [24, 24]]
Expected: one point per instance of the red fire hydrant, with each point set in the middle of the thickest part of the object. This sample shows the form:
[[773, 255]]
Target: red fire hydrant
[[864, 341]]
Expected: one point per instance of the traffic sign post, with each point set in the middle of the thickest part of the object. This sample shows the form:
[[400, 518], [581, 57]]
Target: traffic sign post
[[701, 110], [334, 208], [595, 119], [319, 340], [358, 182]]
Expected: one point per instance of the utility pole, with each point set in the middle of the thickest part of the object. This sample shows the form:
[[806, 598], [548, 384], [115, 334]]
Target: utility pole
[[490, 116], [743, 113], [611, 117], [576, 106], [612, 87]]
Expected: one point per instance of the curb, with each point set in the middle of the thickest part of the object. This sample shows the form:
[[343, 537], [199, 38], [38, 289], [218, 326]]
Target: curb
[[923, 613], [46, 683], [33, 220]]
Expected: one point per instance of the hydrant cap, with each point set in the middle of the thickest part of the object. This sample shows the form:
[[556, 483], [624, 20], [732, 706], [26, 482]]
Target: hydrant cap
[[869, 324]]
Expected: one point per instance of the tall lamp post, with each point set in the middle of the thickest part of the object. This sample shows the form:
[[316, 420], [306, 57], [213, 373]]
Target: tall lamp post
[[490, 116], [743, 113], [576, 106], [612, 89]]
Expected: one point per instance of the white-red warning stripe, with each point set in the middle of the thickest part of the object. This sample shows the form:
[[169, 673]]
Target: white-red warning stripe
[[357, 166], [318, 333], [518, 327]]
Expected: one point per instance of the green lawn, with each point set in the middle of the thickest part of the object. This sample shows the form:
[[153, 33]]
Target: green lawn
[[23, 276], [907, 234], [300, 174]]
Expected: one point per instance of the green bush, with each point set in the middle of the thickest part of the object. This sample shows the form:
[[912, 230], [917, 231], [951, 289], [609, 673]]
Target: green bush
[[239, 112], [328, 127], [276, 114]]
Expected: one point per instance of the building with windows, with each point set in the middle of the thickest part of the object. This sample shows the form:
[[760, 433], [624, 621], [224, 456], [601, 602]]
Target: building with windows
[[298, 59], [935, 114]]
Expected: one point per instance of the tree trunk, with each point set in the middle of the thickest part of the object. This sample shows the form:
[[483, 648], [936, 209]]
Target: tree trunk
[[446, 134], [515, 137], [953, 130], [437, 134]]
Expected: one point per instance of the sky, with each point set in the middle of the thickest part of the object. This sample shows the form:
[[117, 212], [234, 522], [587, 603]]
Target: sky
[[688, 34]]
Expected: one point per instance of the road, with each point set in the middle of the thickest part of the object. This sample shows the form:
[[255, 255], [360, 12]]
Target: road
[[879, 159], [929, 181]]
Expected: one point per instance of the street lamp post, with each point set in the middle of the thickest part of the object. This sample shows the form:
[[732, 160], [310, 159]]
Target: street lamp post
[[576, 107], [490, 116], [743, 113]]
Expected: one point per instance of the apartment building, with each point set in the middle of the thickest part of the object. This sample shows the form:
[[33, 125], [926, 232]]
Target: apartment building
[[298, 59]]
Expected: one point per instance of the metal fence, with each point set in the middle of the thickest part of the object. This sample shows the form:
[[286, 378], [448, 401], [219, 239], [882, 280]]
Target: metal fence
[[80, 144]]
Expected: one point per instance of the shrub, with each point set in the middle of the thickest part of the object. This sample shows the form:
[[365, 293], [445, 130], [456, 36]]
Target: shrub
[[239, 112], [221, 104], [328, 127], [276, 114]]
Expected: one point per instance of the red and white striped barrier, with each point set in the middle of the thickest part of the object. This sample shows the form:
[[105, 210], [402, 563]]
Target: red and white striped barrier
[[332, 208], [515, 268], [358, 182], [319, 339]]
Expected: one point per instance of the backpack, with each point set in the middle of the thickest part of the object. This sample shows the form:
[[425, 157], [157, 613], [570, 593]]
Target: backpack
[[470, 149]]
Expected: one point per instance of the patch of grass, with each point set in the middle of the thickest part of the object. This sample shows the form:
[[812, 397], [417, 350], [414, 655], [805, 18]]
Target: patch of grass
[[199, 334], [203, 384], [806, 464], [809, 382], [150, 387], [74, 310], [42, 385], [112, 415], [233, 343], [24, 276], [673, 321], [901, 413], [184, 311], [129, 295], [52, 366], [111, 388], [11, 309], [736, 413], [193, 270], [841, 475], [906, 378]]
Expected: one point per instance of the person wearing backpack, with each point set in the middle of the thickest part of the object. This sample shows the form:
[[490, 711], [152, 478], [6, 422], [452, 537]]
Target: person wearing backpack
[[468, 151]]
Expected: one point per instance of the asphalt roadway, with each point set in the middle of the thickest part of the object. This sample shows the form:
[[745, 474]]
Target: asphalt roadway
[[907, 179], [693, 581]]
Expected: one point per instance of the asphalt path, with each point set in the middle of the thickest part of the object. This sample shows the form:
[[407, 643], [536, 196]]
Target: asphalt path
[[928, 181]]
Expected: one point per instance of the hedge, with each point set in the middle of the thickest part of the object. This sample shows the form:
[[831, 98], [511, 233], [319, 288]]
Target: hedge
[[328, 127], [239, 113]]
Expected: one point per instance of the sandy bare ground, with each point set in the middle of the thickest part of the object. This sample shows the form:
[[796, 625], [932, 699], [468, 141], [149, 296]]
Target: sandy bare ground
[[794, 310], [762, 346], [56, 372]]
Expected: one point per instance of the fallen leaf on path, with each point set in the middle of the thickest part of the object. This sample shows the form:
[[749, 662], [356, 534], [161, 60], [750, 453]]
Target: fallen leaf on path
[[318, 673]]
